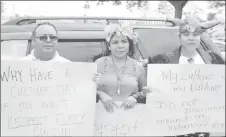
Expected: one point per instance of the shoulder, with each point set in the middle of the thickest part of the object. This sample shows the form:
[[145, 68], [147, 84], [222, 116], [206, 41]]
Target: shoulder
[[140, 68], [102, 64], [137, 67], [102, 60], [216, 59], [63, 59], [30, 56], [97, 57], [27, 58], [135, 63]]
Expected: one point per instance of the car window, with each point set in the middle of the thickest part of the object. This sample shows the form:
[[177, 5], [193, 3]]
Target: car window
[[14, 49], [155, 41], [80, 51]]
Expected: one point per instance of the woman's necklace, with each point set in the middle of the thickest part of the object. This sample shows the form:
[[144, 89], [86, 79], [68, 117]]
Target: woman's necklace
[[119, 79]]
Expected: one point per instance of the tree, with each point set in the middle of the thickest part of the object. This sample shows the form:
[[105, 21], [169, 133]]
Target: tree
[[178, 5], [216, 4], [115, 3], [211, 16], [86, 6], [2, 7], [136, 4], [17, 15], [216, 8], [165, 8]]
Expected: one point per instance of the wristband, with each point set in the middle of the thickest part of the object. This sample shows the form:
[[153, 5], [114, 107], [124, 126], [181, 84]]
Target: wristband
[[139, 96]]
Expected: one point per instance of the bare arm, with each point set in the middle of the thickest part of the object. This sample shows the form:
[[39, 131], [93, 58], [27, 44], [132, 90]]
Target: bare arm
[[142, 82], [100, 92], [142, 79]]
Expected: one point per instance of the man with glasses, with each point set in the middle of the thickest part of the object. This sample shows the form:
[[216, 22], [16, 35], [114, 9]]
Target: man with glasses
[[44, 40]]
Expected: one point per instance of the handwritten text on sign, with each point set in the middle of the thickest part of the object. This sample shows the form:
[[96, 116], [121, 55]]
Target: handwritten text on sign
[[47, 99], [191, 99], [185, 99], [121, 122]]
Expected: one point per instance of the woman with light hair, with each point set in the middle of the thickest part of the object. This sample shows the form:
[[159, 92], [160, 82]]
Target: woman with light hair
[[120, 78]]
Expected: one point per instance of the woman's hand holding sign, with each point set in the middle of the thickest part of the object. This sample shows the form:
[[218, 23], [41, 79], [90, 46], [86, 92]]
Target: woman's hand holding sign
[[107, 101], [146, 90], [97, 79], [129, 103]]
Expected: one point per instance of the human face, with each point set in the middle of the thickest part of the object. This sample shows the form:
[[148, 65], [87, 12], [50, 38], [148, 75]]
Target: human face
[[190, 40], [45, 41], [119, 46]]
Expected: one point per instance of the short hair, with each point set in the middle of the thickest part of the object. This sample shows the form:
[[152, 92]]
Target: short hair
[[40, 24]]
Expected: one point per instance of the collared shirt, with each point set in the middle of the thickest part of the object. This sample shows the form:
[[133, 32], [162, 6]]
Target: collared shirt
[[57, 58], [223, 54], [196, 60]]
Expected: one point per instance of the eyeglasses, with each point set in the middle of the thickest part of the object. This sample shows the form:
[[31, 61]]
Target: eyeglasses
[[45, 37]]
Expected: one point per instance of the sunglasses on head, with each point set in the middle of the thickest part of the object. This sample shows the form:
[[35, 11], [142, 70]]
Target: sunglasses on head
[[45, 37]]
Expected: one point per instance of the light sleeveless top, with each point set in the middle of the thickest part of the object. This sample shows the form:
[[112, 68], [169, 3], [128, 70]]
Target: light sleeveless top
[[129, 82]]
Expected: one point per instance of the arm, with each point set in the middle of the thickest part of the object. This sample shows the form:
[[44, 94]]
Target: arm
[[142, 76], [142, 82], [101, 95], [97, 61]]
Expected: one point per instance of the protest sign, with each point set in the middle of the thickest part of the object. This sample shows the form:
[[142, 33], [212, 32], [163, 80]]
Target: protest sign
[[47, 98], [191, 99], [121, 122], [184, 99]]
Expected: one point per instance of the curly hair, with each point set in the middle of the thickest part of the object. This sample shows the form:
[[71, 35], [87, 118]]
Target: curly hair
[[131, 48], [107, 52], [126, 31]]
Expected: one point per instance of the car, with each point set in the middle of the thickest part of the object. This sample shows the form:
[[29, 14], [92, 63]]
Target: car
[[82, 39]]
